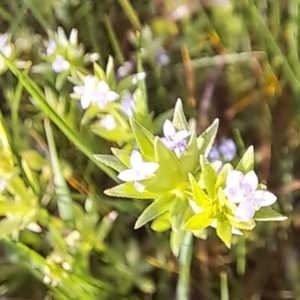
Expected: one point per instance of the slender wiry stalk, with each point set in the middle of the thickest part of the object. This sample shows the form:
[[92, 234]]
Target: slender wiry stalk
[[185, 257]]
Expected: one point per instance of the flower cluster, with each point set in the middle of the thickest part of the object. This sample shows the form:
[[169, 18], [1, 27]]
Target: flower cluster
[[95, 92], [65, 53], [242, 189], [175, 172]]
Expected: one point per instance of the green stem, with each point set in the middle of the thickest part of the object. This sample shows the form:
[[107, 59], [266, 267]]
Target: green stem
[[185, 259]]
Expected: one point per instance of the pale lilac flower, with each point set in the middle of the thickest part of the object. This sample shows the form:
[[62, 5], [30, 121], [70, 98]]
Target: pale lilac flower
[[128, 105], [242, 189], [60, 64], [173, 140], [162, 58], [51, 47], [93, 92], [125, 69], [104, 94], [228, 149], [108, 122], [139, 170], [213, 155]]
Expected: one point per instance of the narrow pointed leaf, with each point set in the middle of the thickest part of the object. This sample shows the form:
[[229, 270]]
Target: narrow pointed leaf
[[155, 209], [268, 214], [122, 155], [207, 138], [221, 179], [209, 176], [127, 190], [144, 138], [246, 163], [179, 120], [64, 199], [224, 231], [177, 212], [110, 161], [200, 196], [161, 223], [199, 221], [189, 161]]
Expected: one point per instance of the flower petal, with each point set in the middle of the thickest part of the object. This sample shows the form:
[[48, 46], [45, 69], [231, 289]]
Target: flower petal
[[245, 211], [250, 181], [127, 175], [149, 168], [234, 194], [78, 89], [112, 96], [264, 198], [234, 179], [136, 160], [102, 87], [169, 129], [181, 135], [85, 101]]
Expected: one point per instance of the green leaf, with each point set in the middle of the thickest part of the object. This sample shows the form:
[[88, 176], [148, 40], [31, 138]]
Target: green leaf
[[122, 155], [17, 187], [99, 72], [207, 138], [144, 139], [179, 119], [110, 72], [189, 161], [89, 114], [221, 179], [177, 212], [127, 190], [200, 196], [34, 159], [208, 176], [176, 239], [224, 231], [246, 163], [13, 208], [64, 199], [239, 224], [268, 214], [161, 223], [155, 209], [199, 221], [111, 161]]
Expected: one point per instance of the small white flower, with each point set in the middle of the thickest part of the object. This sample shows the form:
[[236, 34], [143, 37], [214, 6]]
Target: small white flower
[[139, 170], [60, 64], [86, 91], [104, 94], [51, 47], [108, 122], [128, 105], [242, 189], [173, 140], [93, 92]]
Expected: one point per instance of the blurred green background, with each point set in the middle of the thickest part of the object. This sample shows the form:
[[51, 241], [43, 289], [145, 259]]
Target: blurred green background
[[234, 60]]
